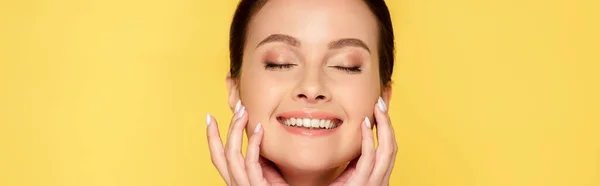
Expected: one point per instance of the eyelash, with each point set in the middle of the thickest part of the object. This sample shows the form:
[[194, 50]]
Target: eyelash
[[355, 69], [271, 65]]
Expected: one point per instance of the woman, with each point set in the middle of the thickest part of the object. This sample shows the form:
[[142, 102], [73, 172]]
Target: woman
[[308, 81]]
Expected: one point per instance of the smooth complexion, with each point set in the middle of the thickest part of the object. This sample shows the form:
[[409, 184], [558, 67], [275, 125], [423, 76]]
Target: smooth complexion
[[309, 64]]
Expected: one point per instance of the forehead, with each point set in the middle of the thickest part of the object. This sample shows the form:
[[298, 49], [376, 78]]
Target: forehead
[[314, 22]]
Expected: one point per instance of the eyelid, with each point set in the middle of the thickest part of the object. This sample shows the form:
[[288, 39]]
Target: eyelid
[[280, 54], [347, 62], [347, 58]]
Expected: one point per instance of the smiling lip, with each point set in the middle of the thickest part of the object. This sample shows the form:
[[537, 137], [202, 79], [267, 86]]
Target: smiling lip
[[312, 115]]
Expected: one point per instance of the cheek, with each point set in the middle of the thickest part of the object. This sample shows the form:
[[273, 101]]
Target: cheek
[[357, 97], [261, 94]]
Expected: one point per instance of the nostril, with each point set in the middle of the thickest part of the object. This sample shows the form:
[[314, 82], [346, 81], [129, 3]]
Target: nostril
[[302, 96]]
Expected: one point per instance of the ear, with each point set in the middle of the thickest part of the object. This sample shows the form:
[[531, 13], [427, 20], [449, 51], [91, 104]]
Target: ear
[[232, 88], [386, 95]]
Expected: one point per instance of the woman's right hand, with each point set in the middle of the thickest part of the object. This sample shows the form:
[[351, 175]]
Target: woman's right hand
[[236, 170]]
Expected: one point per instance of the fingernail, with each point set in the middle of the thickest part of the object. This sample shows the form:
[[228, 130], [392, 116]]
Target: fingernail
[[207, 119], [257, 128], [368, 122], [237, 106], [241, 112], [381, 105]]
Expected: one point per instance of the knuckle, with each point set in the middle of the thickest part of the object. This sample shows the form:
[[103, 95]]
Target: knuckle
[[213, 160], [387, 150], [389, 153]]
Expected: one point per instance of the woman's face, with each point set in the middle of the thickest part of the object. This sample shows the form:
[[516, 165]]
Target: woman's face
[[310, 63]]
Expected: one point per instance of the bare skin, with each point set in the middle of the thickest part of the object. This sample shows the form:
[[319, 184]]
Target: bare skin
[[373, 167], [315, 60]]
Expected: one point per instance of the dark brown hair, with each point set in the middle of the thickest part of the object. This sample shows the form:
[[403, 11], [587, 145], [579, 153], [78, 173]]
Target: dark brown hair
[[247, 8]]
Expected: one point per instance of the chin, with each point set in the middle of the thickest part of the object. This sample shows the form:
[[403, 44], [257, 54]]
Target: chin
[[302, 158], [308, 161]]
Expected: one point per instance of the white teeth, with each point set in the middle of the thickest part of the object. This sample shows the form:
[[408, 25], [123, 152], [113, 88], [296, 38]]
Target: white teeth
[[306, 122], [314, 123], [310, 123]]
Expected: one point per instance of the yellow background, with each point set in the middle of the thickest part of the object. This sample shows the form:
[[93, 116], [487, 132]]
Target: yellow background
[[486, 93]]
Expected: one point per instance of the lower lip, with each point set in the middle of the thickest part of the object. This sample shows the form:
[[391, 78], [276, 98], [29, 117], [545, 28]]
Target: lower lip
[[309, 132]]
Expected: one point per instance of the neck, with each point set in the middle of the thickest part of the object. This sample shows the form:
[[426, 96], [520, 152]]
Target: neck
[[295, 177]]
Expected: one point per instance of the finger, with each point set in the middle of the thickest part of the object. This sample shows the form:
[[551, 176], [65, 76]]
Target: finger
[[383, 122], [367, 157], [386, 178], [386, 150], [238, 107], [236, 116], [253, 168], [233, 153], [215, 144]]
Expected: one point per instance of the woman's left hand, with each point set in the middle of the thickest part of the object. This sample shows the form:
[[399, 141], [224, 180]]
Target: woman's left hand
[[374, 166]]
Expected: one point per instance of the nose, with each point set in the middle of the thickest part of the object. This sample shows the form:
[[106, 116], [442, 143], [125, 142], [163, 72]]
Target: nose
[[312, 89]]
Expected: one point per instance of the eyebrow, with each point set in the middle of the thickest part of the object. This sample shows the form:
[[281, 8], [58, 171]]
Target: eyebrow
[[348, 42], [345, 42], [280, 38]]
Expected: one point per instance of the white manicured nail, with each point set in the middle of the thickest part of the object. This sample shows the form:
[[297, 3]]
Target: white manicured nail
[[207, 119], [238, 105], [368, 122], [257, 128], [241, 112], [381, 105]]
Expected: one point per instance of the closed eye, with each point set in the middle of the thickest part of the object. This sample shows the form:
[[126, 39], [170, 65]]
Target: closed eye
[[348, 69], [275, 66]]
